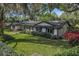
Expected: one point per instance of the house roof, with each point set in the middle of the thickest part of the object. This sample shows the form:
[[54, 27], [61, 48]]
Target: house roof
[[53, 24], [43, 23], [31, 23], [16, 23], [58, 24]]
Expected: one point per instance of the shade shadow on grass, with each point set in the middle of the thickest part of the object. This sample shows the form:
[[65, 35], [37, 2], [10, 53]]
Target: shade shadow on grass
[[57, 43], [9, 39], [35, 39]]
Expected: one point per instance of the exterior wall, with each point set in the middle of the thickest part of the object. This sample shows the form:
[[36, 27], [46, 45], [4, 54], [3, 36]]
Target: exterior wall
[[62, 30], [29, 29], [17, 27], [12, 27], [65, 27]]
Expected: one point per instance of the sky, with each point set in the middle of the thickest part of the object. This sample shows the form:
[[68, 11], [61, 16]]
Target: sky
[[57, 11]]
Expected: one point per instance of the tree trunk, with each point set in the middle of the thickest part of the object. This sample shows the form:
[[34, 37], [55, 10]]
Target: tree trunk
[[1, 27], [2, 22]]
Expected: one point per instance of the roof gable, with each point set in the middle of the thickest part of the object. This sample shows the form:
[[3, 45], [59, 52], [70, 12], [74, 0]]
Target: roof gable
[[43, 23]]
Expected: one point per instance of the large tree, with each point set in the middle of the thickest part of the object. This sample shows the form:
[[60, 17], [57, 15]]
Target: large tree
[[3, 9], [34, 10]]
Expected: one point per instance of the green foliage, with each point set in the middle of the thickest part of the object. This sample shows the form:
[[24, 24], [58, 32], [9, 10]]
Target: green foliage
[[1, 39], [47, 35], [28, 44], [69, 52], [6, 50], [62, 7], [47, 17]]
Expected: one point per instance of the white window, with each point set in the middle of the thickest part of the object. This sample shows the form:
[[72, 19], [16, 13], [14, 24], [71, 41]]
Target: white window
[[55, 31], [43, 29]]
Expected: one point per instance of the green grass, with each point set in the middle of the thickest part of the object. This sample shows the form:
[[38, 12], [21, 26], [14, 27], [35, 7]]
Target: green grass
[[28, 44]]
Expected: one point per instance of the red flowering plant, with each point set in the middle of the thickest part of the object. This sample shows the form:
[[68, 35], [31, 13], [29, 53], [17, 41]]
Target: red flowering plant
[[72, 37], [69, 36]]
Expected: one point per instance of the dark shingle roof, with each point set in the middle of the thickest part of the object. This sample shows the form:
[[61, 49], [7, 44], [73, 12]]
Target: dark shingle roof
[[58, 24], [31, 22], [53, 24]]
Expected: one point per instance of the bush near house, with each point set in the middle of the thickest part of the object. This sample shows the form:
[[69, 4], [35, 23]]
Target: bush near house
[[28, 44], [72, 37], [47, 35]]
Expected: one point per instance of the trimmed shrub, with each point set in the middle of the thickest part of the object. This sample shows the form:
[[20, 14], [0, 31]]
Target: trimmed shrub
[[70, 52], [6, 50], [47, 35]]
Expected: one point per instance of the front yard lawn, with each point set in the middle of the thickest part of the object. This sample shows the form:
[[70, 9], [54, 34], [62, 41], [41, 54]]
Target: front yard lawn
[[28, 44]]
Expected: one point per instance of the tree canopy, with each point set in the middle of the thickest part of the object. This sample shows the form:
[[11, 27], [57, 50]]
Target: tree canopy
[[35, 11]]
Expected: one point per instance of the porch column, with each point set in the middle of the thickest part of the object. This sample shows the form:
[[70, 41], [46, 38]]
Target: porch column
[[31, 29], [55, 31]]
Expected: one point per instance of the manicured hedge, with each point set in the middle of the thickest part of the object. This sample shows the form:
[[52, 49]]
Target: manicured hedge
[[70, 52], [6, 50], [47, 35]]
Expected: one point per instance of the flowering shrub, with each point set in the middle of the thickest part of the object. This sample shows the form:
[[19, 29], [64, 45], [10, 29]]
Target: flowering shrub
[[69, 36], [72, 36]]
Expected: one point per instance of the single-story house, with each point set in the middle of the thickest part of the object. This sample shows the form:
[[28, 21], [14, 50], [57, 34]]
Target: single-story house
[[17, 26], [55, 28]]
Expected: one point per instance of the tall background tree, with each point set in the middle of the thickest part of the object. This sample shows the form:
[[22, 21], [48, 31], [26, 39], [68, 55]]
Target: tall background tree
[[37, 11]]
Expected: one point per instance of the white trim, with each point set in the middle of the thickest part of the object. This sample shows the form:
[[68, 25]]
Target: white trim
[[55, 31]]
